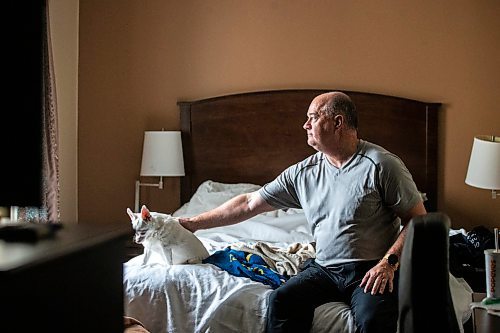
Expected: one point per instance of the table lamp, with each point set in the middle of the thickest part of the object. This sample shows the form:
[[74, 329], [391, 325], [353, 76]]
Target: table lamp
[[161, 157], [484, 172], [484, 164]]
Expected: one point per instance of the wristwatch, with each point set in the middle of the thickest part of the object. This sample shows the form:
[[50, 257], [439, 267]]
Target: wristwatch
[[392, 260]]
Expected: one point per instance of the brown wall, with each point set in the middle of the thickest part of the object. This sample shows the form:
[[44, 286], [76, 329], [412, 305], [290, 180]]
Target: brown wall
[[64, 40], [139, 57]]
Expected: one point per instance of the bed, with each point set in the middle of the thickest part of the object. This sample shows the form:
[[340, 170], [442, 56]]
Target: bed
[[235, 144]]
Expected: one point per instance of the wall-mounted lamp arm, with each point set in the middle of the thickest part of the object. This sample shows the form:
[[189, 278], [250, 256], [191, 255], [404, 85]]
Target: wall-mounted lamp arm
[[138, 185]]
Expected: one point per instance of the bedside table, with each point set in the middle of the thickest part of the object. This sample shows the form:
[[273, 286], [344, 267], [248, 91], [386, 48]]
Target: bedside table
[[484, 322]]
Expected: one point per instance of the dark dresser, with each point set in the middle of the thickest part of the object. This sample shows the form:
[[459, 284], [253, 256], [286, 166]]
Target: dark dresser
[[70, 282]]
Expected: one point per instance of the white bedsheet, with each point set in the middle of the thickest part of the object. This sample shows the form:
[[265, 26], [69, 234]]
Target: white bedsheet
[[193, 298]]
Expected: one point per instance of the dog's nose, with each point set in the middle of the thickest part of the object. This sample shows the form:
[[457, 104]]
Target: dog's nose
[[139, 237]]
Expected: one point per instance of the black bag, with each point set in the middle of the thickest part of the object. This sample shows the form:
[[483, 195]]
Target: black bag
[[466, 256]]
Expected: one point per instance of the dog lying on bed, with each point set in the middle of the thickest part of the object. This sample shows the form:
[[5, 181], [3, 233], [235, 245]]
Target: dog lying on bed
[[163, 235]]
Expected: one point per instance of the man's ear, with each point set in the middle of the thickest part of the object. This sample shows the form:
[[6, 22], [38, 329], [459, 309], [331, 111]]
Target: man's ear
[[338, 121]]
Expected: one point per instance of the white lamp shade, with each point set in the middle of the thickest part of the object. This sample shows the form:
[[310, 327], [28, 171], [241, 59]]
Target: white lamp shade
[[162, 154], [484, 164]]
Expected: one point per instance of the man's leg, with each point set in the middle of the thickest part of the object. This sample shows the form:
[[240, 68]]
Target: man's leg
[[291, 306], [375, 313]]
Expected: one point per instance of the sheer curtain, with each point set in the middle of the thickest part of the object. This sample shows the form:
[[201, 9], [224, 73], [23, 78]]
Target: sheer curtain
[[49, 212]]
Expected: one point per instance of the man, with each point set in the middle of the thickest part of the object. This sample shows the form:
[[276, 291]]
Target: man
[[355, 195]]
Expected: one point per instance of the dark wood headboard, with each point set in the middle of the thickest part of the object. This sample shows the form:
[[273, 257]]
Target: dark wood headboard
[[252, 137]]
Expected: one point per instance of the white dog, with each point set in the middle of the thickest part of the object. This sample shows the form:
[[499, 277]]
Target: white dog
[[163, 234]]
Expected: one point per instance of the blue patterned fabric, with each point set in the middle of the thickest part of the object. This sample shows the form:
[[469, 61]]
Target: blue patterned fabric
[[244, 264]]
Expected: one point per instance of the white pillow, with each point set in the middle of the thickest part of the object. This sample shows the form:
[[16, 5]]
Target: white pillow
[[211, 194]]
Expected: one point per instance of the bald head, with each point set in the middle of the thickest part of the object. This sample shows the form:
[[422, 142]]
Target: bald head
[[334, 103]]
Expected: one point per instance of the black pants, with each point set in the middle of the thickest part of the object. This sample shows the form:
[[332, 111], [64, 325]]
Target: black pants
[[291, 306]]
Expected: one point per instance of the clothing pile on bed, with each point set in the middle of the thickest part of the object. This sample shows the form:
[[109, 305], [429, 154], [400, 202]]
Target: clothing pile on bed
[[262, 262], [244, 264]]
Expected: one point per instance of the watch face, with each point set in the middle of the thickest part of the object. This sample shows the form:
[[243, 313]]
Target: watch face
[[392, 259]]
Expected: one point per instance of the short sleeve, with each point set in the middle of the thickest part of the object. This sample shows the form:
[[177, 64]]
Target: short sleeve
[[281, 192], [399, 190]]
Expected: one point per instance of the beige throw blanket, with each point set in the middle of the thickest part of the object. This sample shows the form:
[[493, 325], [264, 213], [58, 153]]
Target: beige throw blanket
[[282, 260]]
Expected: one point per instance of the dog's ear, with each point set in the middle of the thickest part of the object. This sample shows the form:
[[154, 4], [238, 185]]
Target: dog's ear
[[131, 214], [145, 214]]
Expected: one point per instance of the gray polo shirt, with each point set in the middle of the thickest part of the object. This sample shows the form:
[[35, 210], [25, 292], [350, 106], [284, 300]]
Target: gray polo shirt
[[351, 210]]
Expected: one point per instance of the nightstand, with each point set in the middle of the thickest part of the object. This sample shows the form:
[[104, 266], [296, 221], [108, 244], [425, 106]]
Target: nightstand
[[484, 322]]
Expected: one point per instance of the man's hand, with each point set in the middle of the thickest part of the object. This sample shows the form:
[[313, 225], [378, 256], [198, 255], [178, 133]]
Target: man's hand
[[187, 224], [378, 278]]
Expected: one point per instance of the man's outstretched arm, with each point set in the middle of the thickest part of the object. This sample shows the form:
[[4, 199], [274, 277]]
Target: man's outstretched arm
[[235, 210]]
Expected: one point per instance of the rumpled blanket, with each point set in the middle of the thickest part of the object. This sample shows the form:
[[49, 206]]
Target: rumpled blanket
[[244, 264], [285, 261]]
